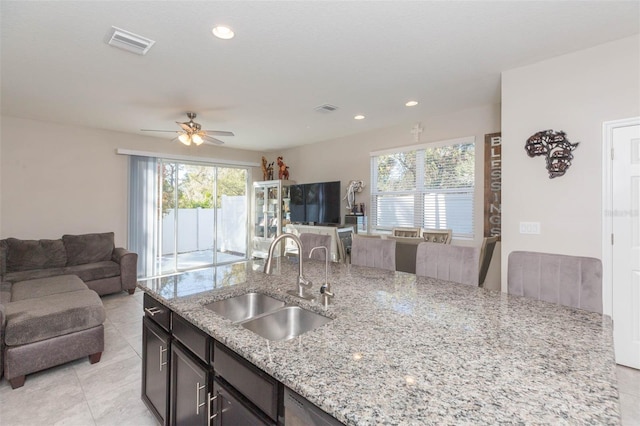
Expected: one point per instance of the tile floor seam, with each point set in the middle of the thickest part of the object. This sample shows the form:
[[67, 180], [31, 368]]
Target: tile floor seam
[[84, 396]]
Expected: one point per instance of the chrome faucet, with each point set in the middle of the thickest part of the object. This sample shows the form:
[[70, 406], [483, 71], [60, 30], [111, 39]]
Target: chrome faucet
[[302, 282], [325, 289]]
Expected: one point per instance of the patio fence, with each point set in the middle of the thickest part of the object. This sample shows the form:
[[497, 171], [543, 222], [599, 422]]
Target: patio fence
[[196, 228]]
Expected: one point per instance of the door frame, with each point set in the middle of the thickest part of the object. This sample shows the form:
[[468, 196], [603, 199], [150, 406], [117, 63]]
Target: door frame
[[607, 209]]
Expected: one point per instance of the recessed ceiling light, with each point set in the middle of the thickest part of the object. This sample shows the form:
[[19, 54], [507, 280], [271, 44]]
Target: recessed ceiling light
[[359, 117], [411, 103], [223, 32]]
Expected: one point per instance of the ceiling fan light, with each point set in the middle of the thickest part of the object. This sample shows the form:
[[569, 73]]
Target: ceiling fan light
[[197, 139], [185, 139]]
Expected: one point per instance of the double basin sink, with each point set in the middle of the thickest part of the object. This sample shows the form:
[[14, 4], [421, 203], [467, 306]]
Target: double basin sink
[[268, 317]]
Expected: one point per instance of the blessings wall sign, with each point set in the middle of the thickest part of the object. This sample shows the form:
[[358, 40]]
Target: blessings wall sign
[[492, 185]]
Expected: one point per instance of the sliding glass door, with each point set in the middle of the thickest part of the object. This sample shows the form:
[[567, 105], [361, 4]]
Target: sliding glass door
[[200, 216], [204, 216]]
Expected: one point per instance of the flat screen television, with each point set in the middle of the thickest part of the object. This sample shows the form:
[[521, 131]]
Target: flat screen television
[[317, 203]]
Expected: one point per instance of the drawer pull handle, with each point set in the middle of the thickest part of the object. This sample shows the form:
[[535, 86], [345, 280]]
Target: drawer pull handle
[[162, 350], [198, 404], [153, 310], [209, 407]]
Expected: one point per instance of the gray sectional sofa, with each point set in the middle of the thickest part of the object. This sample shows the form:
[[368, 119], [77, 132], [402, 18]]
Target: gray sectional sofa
[[92, 257], [47, 322], [50, 309]]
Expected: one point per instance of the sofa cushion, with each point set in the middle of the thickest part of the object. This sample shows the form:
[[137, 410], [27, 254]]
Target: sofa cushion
[[3, 257], [18, 276], [33, 320], [33, 289], [27, 255], [94, 271], [5, 293], [88, 248]]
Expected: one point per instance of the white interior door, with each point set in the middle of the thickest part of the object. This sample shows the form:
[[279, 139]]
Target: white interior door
[[625, 222]]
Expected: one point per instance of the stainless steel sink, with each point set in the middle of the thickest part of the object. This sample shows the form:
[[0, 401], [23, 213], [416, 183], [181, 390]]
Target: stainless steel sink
[[244, 307], [285, 323]]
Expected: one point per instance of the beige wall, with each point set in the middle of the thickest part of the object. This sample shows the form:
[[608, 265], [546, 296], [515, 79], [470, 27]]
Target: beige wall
[[348, 158], [59, 180], [575, 93]]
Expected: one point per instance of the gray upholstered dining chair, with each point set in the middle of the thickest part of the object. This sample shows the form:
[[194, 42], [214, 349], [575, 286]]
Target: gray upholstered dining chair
[[572, 281], [406, 232], [486, 253], [374, 252], [406, 249], [442, 236], [459, 264], [309, 241]]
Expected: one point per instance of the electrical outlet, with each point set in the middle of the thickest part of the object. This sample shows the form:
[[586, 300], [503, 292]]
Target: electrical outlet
[[529, 227]]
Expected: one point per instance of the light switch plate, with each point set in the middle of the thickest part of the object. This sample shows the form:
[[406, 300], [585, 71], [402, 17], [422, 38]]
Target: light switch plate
[[529, 227]]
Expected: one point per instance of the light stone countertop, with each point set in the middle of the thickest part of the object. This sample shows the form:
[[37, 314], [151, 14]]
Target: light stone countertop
[[410, 350]]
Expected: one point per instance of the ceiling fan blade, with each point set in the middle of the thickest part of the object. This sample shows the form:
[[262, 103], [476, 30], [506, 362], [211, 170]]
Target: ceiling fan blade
[[185, 126], [152, 130], [219, 133], [212, 141]]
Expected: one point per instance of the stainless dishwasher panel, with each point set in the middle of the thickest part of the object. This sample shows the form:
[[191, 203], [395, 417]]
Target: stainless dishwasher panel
[[300, 412]]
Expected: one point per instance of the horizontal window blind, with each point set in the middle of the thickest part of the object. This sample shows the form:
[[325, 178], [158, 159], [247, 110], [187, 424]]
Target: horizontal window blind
[[430, 187]]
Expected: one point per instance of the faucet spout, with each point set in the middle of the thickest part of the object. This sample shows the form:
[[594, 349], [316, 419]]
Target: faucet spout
[[302, 282], [325, 289]]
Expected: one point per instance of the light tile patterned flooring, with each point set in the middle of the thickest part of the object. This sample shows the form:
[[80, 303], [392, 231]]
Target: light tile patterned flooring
[[108, 393], [78, 393]]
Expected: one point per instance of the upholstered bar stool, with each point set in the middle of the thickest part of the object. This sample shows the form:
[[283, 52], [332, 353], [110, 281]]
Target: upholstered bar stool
[[459, 264], [572, 281], [309, 241], [374, 252], [486, 253]]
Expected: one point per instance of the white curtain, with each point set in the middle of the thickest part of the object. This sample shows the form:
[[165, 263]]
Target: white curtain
[[143, 209]]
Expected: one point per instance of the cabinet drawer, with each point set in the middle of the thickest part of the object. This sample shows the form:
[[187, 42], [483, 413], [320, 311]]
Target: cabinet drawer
[[192, 337], [257, 386], [159, 313], [231, 410]]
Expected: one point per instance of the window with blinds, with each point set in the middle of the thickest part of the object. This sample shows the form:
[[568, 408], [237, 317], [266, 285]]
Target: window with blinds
[[431, 186]]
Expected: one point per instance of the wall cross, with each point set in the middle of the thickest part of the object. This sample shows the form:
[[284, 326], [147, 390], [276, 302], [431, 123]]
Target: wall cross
[[416, 130]]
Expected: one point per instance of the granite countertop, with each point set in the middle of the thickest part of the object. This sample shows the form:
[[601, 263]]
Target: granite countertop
[[411, 350]]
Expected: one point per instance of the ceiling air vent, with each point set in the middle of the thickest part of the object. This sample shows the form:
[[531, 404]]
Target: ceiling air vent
[[326, 108], [129, 41]]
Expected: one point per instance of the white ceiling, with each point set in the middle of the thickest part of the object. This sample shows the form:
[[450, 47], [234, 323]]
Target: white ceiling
[[287, 58]]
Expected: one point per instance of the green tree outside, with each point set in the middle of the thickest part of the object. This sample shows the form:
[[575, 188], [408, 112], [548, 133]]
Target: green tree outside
[[195, 185]]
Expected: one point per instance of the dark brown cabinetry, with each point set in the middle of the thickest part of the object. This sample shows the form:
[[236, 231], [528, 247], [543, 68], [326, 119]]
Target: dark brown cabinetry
[[190, 388], [232, 410], [260, 392], [155, 371], [188, 378], [156, 357]]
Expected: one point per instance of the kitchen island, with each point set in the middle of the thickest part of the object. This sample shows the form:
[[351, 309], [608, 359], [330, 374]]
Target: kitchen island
[[411, 350]]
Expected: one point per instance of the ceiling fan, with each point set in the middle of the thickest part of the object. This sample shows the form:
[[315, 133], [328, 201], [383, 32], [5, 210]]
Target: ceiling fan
[[192, 132]]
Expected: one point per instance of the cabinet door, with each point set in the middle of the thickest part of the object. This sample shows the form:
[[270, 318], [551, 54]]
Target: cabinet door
[[155, 369], [189, 388], [231, 410]]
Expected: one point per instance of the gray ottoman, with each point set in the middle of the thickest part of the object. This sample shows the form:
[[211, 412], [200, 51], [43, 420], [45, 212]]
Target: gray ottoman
[[51, 321]]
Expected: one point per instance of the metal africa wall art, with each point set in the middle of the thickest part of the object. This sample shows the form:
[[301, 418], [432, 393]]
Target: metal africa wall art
[[555, 147]]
